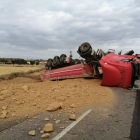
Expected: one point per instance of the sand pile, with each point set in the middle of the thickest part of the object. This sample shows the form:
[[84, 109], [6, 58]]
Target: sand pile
[[28, 98]]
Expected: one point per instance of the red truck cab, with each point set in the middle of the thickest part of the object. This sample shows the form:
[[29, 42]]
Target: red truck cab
[[119, 70]]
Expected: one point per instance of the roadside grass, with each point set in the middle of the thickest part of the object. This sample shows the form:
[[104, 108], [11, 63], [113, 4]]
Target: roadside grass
[[18, 74], [8, 69], [26, 65]]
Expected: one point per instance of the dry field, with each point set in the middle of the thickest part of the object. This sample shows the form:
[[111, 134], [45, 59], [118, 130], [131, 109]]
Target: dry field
[[7, 69]]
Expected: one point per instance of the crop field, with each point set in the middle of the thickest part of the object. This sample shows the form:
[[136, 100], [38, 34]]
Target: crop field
[[8, 69]]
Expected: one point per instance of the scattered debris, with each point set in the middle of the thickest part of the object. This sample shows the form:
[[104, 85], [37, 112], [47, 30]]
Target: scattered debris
[[62, 127], [62, 98], [45, 135], [5, 92], [32, 133], [25, 88], [48, 127], [3, 114], [2, 98], [57, 121], [46, 119], [34, 104], [41, 131], [73, 117], [13, 114], [36, 97], [4, 107], [72, 105], [54, 106]]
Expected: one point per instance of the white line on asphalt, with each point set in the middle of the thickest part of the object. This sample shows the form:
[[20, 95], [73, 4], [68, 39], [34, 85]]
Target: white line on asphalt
[[71, 125]]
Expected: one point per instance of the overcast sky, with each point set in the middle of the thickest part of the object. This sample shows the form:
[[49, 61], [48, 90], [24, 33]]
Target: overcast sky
[[41, 29]]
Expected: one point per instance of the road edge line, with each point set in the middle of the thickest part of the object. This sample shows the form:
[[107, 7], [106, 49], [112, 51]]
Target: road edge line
[[61, 134]]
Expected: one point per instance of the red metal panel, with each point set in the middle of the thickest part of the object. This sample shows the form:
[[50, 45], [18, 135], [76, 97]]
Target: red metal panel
[[68, 72], [124, 69], [111, 75]]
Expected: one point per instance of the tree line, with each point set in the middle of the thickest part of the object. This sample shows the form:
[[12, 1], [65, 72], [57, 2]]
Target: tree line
[[19, 61]]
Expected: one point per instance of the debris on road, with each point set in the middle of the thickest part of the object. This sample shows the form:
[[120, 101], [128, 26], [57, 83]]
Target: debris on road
[[48, 127], [54, 106], [67, 95], [46, 119], [62, 127], [73, 117], [41, 131], [57, 121], [45, 135], [32, 133]]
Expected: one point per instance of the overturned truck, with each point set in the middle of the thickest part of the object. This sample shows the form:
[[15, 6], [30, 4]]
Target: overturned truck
[[114, 69]]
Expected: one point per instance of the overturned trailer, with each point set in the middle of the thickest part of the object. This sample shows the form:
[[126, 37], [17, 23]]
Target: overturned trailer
[[114, 69]]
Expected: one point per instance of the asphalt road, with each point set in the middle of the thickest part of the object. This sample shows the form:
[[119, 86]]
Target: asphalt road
[[119, 123]]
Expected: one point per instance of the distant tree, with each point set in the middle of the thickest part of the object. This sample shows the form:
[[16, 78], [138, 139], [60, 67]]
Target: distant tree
[[24, 62], [19, 61], [4, 60], [32, 62], [37, 62], [13, 61]]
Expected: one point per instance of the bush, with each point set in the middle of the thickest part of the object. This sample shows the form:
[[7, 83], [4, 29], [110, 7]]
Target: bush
[[32, 62], [37, 62]]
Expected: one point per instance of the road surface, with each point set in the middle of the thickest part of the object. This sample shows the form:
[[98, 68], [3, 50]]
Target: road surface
[[122, 122]]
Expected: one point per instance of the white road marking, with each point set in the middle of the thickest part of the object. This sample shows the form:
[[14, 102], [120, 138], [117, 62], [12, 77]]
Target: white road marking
[[71, 125]]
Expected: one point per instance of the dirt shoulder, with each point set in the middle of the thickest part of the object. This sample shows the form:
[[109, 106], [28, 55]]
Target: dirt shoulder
[[25, 96]]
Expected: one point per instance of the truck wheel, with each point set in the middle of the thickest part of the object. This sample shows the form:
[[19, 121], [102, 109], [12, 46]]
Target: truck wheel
[[84, 47], [56, 60], [62, 58], [129, 52], [77, 61], [72, 61], [49, 62]]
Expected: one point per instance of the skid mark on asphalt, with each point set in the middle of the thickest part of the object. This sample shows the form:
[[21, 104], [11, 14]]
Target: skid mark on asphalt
[[71, 125]]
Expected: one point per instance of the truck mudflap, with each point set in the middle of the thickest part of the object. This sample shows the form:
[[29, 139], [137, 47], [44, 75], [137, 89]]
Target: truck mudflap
[[74, 71], [111, 75]]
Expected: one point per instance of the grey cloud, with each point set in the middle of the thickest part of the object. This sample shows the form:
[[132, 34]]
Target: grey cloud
[[39, 26]]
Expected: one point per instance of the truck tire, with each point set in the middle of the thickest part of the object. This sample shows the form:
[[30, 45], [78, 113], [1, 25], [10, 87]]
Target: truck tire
[[129, 52], [84, 47], [56, 61], [62, 58], [49, 63], [77, 61], [72, 61]]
